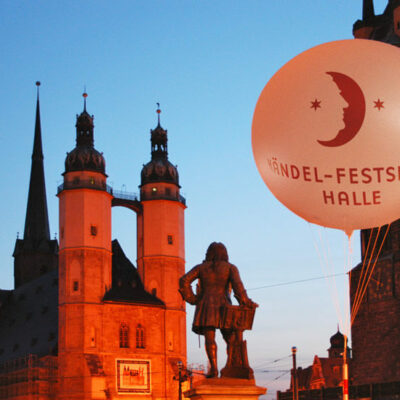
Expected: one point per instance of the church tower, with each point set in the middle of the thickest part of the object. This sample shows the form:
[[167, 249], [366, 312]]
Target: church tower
[[376, 327], [84, 260], [35, 254], [160, 239]]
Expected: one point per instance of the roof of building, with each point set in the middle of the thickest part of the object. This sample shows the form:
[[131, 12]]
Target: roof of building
[[29, 318], [126, 283], [159, 169], [382, 25], [84, 157], [37, 220], [330, 370]]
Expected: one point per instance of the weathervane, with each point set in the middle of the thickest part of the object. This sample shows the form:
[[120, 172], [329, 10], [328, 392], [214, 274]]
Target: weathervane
[[84, 95], [158, 112]]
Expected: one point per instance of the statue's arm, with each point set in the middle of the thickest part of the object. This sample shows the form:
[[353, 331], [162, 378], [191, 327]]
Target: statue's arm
[[185, 287], [238, 288]]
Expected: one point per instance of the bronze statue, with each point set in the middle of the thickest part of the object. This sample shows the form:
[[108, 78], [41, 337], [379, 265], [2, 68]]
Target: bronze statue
[[214, 310]]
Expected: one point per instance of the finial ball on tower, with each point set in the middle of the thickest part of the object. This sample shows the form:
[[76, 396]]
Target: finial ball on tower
[[84, 95], [37, 83]]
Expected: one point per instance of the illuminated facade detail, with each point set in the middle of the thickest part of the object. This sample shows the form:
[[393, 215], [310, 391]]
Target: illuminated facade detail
[[96, 327], [124, 335], [133, 376], [140, 337], [102, 295]]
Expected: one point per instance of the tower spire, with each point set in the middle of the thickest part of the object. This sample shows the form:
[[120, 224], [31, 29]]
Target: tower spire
[[159, 139], [37, 220], [368, 9], [158, 113], [35, 254]]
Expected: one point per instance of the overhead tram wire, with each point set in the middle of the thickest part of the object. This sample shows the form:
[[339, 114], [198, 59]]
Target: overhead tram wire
[[294, 282]]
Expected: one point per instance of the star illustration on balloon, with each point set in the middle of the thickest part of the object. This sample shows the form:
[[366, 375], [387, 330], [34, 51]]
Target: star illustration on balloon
[[315, 104], [379, 104]]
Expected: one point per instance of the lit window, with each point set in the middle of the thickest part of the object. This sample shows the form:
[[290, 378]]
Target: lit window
[[91, 180], [124, 335], [140, 337]]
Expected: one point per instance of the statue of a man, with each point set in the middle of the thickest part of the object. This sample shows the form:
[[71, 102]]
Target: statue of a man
[[216, 277]]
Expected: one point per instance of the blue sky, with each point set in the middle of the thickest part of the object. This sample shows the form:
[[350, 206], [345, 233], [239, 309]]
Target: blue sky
[[206, 62]]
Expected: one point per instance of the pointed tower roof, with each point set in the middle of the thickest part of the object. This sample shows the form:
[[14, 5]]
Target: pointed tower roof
[[37, 220], [368, 9], [84, 157], [159, 169]]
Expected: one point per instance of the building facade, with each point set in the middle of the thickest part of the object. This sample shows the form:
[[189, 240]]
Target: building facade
[[82, 321], [376, 327]]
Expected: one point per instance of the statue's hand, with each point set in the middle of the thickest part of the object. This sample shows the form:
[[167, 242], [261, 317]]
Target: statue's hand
[[192, 300], [250, 303]]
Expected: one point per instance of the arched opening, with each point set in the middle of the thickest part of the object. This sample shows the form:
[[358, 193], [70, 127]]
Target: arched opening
[[124, 230]]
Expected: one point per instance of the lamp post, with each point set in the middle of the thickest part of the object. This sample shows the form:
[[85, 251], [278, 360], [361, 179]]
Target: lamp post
[[345, 372], [295, 385]]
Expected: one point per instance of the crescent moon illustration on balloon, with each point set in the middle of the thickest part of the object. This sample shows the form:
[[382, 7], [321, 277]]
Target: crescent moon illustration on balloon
[[353, 115]]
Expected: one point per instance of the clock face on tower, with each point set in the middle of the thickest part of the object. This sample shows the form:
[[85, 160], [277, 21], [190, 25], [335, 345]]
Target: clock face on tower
[[381, 283]]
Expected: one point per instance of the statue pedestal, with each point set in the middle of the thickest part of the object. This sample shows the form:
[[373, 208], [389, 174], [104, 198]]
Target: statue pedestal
[[225, 389]]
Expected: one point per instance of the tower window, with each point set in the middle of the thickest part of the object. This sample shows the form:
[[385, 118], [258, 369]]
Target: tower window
[[93, 230], [168, 191], [91, 180], [140, 337], [75, 286], [124, 335], [153, 191], [170, 239]]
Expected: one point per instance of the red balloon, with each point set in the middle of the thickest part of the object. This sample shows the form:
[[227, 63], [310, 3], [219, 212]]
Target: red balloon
[[326, 134]]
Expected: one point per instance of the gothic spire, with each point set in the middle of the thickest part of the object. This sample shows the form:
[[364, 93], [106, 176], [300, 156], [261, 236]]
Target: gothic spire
[[37, 220], [368, 9], [159, 139]]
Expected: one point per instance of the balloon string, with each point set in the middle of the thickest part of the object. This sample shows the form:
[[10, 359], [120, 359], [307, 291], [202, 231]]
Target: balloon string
[[364, 276], [372, 270], [320, 249], [335, 289], [361, 274]]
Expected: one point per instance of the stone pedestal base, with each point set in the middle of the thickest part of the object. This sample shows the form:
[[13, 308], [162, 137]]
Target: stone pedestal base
[[225, 389]]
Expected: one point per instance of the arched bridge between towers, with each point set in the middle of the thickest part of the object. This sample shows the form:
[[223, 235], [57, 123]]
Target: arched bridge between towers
[[128, 200]]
